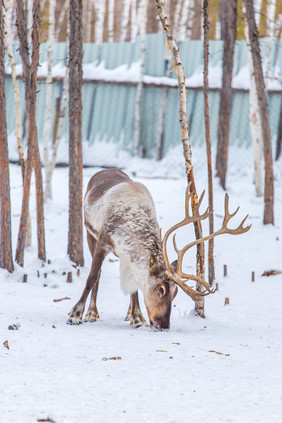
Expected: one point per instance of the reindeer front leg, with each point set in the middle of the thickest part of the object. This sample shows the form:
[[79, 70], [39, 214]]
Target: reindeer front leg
[[134, 314], [76, 314]]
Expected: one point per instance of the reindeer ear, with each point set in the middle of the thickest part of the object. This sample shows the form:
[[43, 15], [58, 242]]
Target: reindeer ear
[[173, 266]]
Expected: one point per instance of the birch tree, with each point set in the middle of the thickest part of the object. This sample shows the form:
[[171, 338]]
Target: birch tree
[[6, 260], [255, 123], [125, 19], [199, 304], [271, 7], [75, 245], [208, 137], [56, 139], [111, 20], [143, 6], [100, 10], [264, 115], [48, 99], [33, 157]]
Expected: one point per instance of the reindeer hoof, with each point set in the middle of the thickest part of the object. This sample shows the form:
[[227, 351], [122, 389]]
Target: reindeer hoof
[[75, 317], [136, 321], [74, 321], [91, 316]]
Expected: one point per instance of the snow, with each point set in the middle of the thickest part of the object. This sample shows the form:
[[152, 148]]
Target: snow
[[131, 74], [224, 368]]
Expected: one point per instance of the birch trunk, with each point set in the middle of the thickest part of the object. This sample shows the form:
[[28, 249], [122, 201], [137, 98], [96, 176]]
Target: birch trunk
[[143, 6], [200, 261], [186, 10], [124, 20], [48, 100], [134, 21], [208, 137], [255, 123], [100, 10], [111, 20], [6, 261], [264, 115], [61, 118], [176, 20], [61, 19], [271, 7]]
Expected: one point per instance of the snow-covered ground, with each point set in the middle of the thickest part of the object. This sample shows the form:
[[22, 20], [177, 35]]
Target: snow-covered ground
[[225, 368]]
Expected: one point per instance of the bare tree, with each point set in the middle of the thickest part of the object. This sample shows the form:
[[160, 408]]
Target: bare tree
[[208, 137], [48, 99], [7, 16], [264, 116], [75, 246], [33, 157], [230, 12], [6, 260], [255, 123], [200, 265]]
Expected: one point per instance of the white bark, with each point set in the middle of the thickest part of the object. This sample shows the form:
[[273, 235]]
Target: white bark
[[48, 97], [271, 6], [257, 9], [111, 16], [255, 122], [7, 16], [61, 19], [184, 19], [100, 10], [191, 15], [29, 19], [134, 21], [143, 9], [176, 22], [61, 117], [124, 19]]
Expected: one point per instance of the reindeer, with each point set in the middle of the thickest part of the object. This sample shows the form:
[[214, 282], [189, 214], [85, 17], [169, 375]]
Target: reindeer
[[120, 217]]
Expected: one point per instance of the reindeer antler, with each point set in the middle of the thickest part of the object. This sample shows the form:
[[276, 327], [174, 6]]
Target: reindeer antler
[[181, 278]]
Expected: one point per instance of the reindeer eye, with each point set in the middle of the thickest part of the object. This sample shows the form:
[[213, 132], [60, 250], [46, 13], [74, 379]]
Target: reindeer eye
[[161, 290]]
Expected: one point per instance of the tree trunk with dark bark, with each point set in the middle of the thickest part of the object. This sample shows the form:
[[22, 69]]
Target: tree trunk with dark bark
[[33, 156], [75, 247], [6, 260], [230, 12], [264, 115], [208, 137]]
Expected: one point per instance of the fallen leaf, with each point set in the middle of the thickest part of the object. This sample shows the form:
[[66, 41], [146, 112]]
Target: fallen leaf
[[176, 343], [6, 345], [161, 350]]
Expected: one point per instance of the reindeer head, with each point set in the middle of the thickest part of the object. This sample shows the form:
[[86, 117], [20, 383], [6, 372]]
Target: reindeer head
[[159, 295], [159, 299]]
